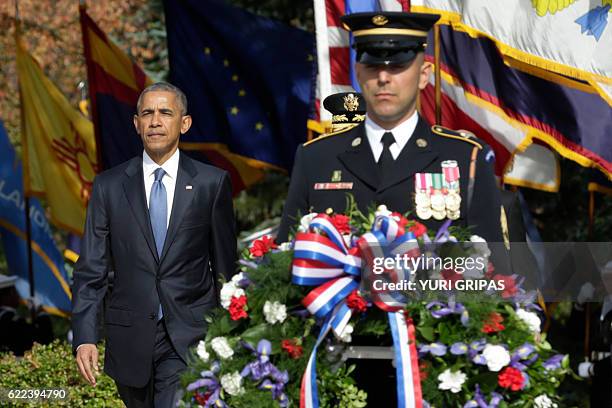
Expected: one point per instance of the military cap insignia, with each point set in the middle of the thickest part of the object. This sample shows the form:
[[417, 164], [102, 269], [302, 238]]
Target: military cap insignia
[[380, 20], [339, 118], [351, 102]]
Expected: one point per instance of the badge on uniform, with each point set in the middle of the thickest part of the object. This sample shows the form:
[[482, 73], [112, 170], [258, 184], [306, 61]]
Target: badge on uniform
[[437, 194], [336, 183]]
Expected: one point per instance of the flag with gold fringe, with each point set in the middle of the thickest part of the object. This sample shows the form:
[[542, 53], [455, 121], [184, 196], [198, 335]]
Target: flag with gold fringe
[[58, 145]]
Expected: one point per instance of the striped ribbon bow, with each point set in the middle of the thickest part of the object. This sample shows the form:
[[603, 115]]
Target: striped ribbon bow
[[323, 259]]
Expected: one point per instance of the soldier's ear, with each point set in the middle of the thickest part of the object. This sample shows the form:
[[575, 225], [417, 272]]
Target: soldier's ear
[[426, 70]]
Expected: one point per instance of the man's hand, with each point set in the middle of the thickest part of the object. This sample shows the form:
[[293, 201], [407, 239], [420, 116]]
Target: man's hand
[[87, 360]]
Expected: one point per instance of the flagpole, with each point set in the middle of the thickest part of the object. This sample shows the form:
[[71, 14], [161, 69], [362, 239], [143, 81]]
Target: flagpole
[[437, 84], [26, 198]]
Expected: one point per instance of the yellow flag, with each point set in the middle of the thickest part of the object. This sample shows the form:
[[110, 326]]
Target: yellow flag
[[58, 143]]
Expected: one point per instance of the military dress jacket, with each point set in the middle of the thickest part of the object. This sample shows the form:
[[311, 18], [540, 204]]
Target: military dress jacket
[[329, 168]]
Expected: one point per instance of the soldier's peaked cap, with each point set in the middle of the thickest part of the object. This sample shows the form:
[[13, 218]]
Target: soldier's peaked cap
[[388, 37]]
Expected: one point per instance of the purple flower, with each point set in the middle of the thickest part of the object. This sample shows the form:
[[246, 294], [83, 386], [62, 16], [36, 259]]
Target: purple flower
[[273, 379], [479, 359], [554, 362], [458, 349], [476, 346], [465, 318], [479, 400], [211, 384], [435, 349]]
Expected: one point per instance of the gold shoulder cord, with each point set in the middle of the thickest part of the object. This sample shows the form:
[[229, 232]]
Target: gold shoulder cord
[[326, 135]]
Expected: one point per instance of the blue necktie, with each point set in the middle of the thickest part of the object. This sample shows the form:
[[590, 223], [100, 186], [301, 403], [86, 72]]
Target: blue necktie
[[158, 212]]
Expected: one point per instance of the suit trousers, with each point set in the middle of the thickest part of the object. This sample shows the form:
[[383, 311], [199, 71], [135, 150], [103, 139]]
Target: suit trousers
[[161, 390]]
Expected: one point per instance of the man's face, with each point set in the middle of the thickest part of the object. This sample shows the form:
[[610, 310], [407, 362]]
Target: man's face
[[390, 91], [160, 123]]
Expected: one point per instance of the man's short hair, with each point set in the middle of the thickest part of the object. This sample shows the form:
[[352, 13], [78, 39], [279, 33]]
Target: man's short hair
[[165, 87]]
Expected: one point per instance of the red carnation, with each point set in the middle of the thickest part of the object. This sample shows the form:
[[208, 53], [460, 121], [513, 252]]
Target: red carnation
[[493, 324], [512, 378], [510, 288], [237, 308], [262, 246], [490, 270], [342, 223], [202, 399], [417, 229], [423, 373], [292, 348], [451, 275], [356, 302]]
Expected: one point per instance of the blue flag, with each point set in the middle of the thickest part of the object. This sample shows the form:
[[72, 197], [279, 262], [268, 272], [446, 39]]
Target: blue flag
[[50, 278], [249, 83]]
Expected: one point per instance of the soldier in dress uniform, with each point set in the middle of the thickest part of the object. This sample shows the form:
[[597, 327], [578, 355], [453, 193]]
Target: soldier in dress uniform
[[393, 156]]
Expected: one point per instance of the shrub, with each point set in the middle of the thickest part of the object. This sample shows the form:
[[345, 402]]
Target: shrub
[[53, 366]]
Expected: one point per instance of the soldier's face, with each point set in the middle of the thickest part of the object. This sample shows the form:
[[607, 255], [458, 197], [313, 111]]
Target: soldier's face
[[159, 123], [390, 91]]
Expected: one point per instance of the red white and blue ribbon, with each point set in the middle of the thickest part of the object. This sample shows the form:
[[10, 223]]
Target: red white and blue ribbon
[[321, 257]]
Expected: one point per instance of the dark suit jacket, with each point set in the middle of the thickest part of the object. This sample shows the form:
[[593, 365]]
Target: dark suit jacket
[[200, 248], [316, 162]]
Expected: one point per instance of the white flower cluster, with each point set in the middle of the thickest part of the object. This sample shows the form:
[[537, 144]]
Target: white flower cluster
[[382, 211], [231, 290], [232, 383], [201, 351], [451, 380], [222, 347], [480, 246], [496, 357], [345, 336], [274, 312], [542, 401], [530, 319], [305, 222]]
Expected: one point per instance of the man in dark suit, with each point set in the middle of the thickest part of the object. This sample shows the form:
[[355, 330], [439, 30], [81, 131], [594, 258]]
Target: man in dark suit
[[164, 224], [379, 160]]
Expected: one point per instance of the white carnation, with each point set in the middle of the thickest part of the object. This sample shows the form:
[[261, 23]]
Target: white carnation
[[274, 312], [222, 347], [497, 357], [285, 246], [305, 222], [201, 350], [232, 383], [237, 278], [531, 320], [382, 211], [542, 401], [345, 336], [451, 380], [480, 246], [229, 291]]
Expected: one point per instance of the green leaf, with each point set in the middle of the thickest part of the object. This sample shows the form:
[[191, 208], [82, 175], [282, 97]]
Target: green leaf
[[254, 334], [427, 333]]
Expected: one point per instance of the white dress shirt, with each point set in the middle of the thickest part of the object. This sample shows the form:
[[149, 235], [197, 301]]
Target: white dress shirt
[[401, 133], [170, 166]]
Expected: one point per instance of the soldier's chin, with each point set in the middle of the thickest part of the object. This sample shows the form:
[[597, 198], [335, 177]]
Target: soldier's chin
[[388, 115]]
